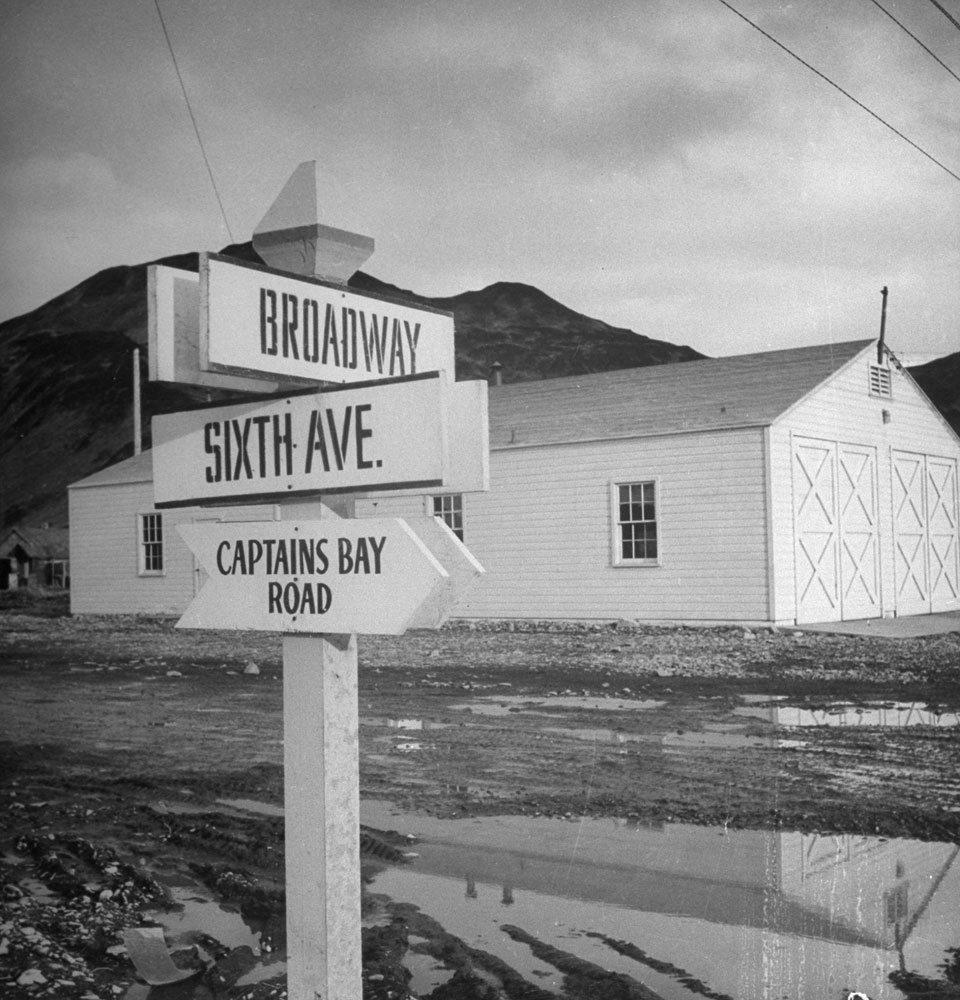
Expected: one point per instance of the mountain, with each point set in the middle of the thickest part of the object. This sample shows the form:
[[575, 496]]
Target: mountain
[[940, 380], [66, 370]]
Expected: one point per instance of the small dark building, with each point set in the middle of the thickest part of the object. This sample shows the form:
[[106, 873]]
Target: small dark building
[[38, 557]]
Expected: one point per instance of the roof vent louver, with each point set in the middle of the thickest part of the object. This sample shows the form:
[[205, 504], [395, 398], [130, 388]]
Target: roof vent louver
[[880, 382]]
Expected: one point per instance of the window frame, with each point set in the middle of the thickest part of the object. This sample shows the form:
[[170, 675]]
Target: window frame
[[617, 559], [456, 501], [142, 543]]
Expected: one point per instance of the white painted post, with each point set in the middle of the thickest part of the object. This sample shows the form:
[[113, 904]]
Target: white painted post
[[322, 805]]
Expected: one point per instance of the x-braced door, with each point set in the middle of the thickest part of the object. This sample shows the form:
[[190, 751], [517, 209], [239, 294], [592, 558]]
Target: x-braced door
[[859, 532], [816, 530], [925, 542], [944, 543], [836, 531]]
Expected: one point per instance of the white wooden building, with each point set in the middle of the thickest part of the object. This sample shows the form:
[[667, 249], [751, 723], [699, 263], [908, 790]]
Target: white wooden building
[[812, 484]]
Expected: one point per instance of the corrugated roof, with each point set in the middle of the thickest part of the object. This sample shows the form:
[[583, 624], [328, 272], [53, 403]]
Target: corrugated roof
[[716, 393], [138, 469]]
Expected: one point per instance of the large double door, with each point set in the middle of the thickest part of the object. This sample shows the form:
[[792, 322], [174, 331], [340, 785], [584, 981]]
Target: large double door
[[925, 537], [836, 531]]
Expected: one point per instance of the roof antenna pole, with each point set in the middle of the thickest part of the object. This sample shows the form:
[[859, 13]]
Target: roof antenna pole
[[137, 436], [883, 325]]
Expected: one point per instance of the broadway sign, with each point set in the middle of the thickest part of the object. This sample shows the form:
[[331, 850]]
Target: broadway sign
[[259, 321]]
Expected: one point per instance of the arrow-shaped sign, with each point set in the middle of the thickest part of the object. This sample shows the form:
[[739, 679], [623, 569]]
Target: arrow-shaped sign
[[462, 568], [365, 576]]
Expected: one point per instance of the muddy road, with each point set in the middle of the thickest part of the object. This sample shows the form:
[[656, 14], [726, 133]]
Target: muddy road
[[674, 799]]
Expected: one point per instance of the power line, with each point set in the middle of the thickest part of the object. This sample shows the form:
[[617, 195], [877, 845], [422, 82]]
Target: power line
[[196, 130], [837, 86], [917, 40], [946, 14]]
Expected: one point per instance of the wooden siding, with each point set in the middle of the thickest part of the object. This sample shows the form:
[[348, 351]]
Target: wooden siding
[[543, 531], [104, 550], [842, 410]]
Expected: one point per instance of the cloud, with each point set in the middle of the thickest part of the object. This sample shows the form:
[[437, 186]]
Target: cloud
[[51, 183]]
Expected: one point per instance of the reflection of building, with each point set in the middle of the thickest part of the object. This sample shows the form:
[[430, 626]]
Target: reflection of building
[[801, 915], [892, 715], [34, 556]]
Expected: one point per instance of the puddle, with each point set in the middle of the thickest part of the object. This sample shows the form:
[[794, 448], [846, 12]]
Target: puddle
[[893, 715], [600, 735], [201, 914], [180, 808], [504, 705], [727, 741], [747, 913], [416, 725], [262, 972], [722, 736], [426, 973], [252, 805]]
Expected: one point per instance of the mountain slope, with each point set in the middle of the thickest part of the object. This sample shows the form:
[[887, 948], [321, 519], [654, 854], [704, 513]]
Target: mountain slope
[[940, 380], [66, 373]]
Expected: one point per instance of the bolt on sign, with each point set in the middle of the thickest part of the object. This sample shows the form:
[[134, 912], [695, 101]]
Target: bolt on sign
[[256, 320], [379, 436]]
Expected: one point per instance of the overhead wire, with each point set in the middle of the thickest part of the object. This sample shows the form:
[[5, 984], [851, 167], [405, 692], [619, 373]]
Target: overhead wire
[[946, 14], [903, 27], [193, 120], [845, 93]]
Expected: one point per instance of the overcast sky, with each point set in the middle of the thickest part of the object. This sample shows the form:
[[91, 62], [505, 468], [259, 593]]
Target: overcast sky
[[660, 166]]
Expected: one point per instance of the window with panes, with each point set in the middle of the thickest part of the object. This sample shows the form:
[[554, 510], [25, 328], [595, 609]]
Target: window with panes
[[635, 509], [151, 543], [449, 507]]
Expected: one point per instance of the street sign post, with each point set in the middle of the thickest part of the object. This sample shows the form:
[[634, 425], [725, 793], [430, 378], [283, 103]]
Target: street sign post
[[258, 321], [397, 422], [381, 436]]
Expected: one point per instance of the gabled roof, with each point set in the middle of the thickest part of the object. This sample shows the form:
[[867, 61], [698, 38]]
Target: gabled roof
[[747, 390], [138, 469], [37, 543]]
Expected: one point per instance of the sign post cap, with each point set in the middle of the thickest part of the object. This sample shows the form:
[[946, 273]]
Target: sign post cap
[[291, 238]]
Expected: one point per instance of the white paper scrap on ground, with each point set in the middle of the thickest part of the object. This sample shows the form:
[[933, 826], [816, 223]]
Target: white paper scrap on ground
[[148, 951]]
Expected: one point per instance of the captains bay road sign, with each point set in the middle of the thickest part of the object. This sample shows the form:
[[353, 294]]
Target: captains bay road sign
[[462, 568], [380, 436], [255, 320], [331, 575]]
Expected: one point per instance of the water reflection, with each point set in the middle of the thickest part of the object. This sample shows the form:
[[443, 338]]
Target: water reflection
[[745, 914], [888, 714], [498, 705]]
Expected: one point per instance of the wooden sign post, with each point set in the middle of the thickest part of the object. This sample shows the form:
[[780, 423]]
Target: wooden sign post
[[400, 423]]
